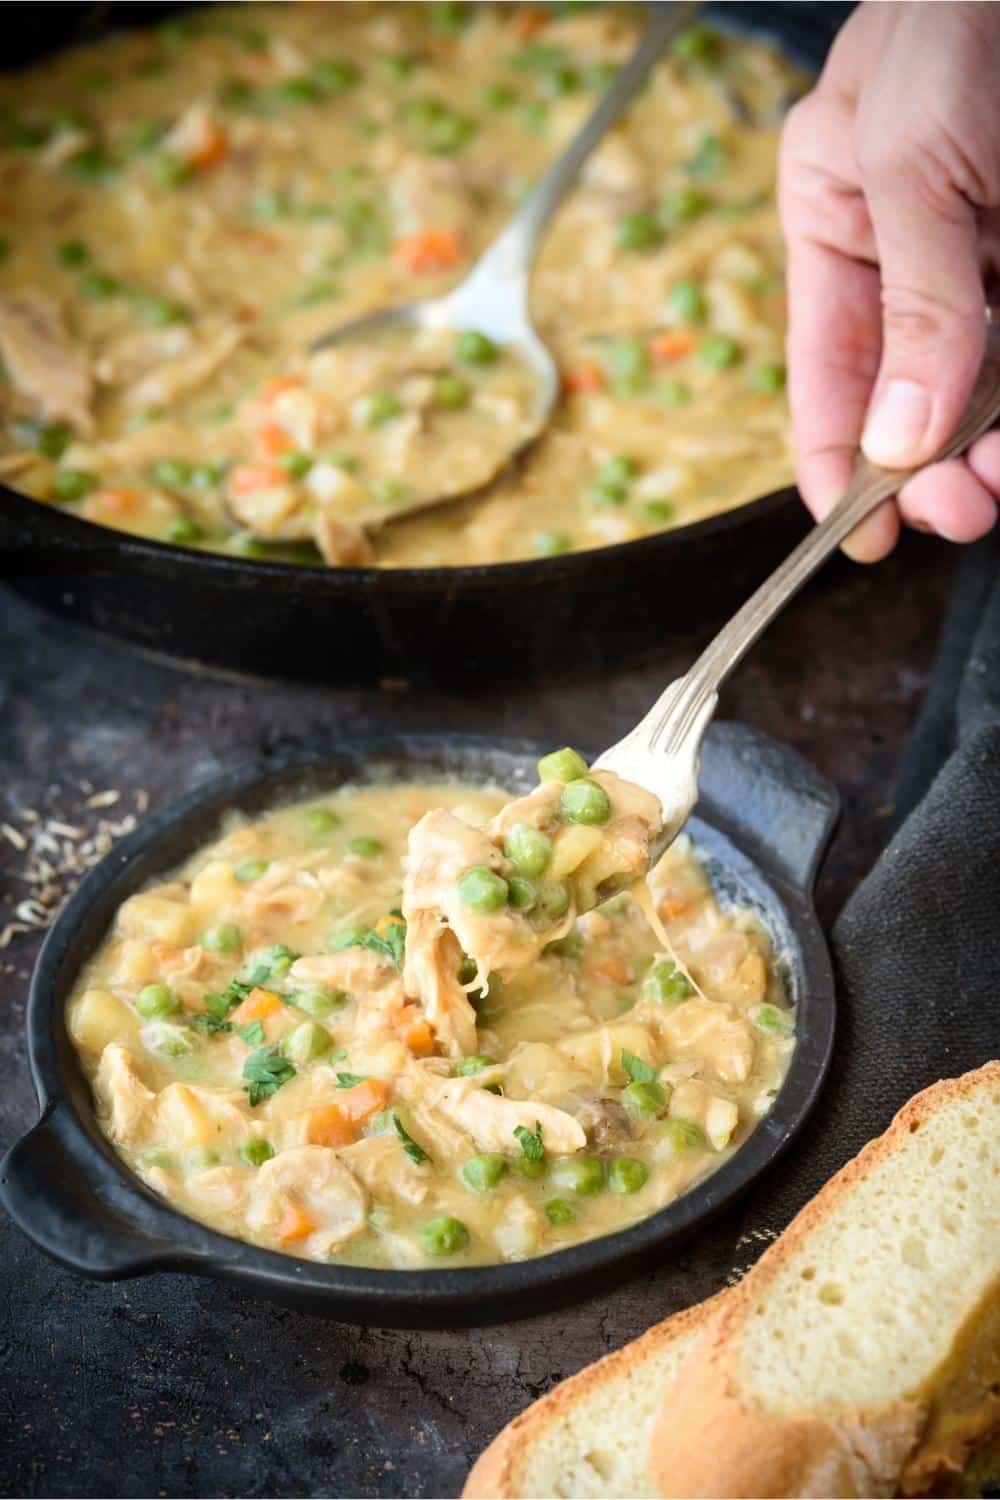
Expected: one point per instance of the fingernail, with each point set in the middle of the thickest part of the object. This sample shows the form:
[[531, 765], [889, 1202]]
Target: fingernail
[[896, 424]]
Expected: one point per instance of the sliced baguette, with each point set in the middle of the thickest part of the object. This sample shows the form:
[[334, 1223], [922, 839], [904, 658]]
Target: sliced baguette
[[590, 1435], [861, 1355]]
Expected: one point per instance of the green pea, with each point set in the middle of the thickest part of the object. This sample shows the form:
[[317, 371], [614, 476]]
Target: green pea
[[52, 439], [298, 91], [387, 491], [155, 1001], [571, 946], [580, 1174], [483, 889], [383, 407], [467, 969], [684, 205], [444, 1235], [268, 205], [321, 821], [561, 765], [172, 1041], [552, 543], [223, 938], [553, 900], [683, 1135], [318, 1003], [172, 473], [520, 893], [535, 116], [499, 96], [698, 45], [474, 348], [483, 1173], [163, 312], [399, 67], [584, 801], [305, 1042], [449, 17], [144, 136], [719, 351], [687, 300], [767, 380], [296, 464], [182, 531], [73, 484], [773, 1021], [92, 165], [170, 171], [673, 393], [250, 870], [667, 983], [335, 76], [558, 1211], [203, 1157], [73, 253], [638, 231], [256, 1152], [658, 512], [98, 286], [626, 362], [644, 1098], [608, 494], [451, 392], [470, 1066], [627, 1174], [207, 476], [367, 848], [619, 469], [528, 849]]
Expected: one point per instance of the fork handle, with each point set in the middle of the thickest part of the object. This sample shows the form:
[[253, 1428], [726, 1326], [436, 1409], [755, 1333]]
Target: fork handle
[[685, 703]]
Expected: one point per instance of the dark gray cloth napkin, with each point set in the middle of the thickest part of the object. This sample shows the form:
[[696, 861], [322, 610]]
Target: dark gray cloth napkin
[[917, 947]]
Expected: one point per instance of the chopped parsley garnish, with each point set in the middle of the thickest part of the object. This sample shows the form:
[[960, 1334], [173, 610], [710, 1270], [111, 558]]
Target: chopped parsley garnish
[[265, 1071], [531, 1141], [391, 945], [414, 1152], [637, 1070], [252, 1033], [350, 1080]]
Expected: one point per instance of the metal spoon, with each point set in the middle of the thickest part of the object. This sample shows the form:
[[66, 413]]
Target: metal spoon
[[661, 752], [493, 298]]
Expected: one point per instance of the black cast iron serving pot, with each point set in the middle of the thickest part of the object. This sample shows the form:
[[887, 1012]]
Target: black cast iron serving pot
[[418, 625], [764, 820]]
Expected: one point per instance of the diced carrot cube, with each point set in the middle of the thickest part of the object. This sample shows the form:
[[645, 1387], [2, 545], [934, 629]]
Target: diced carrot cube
[[273, 440], [117, 501], [339, 1123], [672, 906], [294, 1224], [583, 378], [528, 22], [664, 347], [258, 1004], [210, 149], [247, 479], [420, 1039], [430, 250], [365, 1099], [614, 969]]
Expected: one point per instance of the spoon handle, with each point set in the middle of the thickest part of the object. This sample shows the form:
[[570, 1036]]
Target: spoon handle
[[510, 256]]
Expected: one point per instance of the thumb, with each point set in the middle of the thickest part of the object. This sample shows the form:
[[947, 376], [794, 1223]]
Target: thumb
[[933, 319]]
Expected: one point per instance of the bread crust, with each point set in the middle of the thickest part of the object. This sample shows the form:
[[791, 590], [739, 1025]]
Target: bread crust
[[496, 1474], [868, 1454]]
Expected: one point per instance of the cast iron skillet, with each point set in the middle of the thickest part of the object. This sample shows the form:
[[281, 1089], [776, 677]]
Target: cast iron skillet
[[418, 625], [764, 820]]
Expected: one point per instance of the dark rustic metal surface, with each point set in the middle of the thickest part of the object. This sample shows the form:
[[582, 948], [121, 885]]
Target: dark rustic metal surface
[[180, 1387]]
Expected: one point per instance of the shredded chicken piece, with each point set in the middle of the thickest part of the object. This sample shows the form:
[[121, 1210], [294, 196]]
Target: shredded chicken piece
[[123, 1094], [46, 364], [433, 956], [186, 373], [491, 1119], [383, 1167], [356, 970], [340, 542], [315, 1181], [695, 1101], [714, 1031]]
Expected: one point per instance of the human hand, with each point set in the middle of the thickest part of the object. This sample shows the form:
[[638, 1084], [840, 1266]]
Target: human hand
[[889, 188]]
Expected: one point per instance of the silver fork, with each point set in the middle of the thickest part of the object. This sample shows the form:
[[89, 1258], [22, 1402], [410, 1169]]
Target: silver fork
[[661, 752]]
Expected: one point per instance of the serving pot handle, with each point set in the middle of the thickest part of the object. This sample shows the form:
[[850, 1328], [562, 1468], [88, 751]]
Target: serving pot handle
[[78, 1219]]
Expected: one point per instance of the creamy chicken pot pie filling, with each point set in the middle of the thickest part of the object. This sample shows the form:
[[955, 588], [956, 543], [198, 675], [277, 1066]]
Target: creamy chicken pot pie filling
[[188, 206], [390, 1027]]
